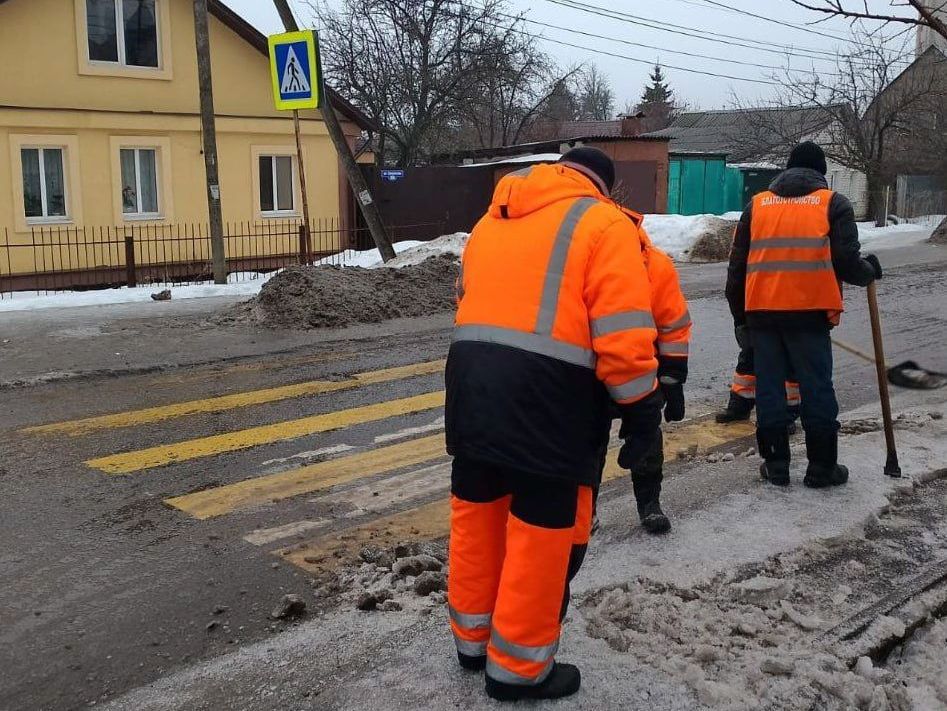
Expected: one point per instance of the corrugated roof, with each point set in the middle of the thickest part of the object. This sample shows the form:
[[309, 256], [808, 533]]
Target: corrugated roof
[[726, 131]]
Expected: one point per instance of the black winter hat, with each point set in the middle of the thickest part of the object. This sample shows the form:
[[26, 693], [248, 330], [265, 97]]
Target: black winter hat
[[594, 164], [808, 155]]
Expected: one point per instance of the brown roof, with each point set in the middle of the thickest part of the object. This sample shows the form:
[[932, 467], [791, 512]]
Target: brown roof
[[258, 40]]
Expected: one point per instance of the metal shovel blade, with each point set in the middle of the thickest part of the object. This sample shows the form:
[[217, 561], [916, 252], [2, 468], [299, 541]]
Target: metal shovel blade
[[910, 375]]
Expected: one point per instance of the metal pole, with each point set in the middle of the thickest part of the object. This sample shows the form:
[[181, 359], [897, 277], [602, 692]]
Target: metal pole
[[356, 180], [209, 131], [302, 186]]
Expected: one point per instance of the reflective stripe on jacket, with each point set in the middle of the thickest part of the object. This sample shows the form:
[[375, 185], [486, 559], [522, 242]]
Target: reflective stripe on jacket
[[789, 267]]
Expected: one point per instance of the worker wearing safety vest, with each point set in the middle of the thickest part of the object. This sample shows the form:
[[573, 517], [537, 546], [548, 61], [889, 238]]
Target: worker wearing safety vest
[[795, 244], [673, 322], [554, 303]]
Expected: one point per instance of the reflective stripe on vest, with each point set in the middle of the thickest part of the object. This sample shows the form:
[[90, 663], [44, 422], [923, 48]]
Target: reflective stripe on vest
[[505, 676], [789, 267], [523, 652], [623, 321]]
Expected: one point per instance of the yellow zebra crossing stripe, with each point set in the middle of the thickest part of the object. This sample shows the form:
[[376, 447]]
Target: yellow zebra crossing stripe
[[267, 434], [221, 500], [432, 520], [134, 418]]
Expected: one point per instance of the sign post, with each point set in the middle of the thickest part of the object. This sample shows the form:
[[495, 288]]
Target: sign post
[[357, 181], [295, 71]]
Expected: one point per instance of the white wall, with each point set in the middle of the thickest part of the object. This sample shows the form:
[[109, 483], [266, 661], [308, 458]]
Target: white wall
[[852, 184]]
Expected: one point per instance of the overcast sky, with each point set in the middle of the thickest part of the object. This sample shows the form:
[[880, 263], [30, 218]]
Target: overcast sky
[[629, 38]]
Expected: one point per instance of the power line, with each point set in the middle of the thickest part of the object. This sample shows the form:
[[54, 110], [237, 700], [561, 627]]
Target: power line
[[695, 55], [637, 60], [731, 40], [782, 23]]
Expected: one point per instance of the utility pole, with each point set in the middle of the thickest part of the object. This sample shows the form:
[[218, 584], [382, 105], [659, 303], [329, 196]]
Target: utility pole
[[209, 132], [356, 180]]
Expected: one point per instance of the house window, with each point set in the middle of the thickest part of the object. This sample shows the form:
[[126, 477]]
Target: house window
[[44, 184], [139, 182], [277, 181], [123, 32]]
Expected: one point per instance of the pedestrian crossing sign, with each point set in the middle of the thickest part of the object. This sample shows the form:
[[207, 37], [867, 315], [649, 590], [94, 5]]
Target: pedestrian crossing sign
[[294, 65]]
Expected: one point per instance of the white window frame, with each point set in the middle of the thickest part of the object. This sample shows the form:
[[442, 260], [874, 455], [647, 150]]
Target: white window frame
[[47, 219], [120, 40], [140, 215], [276, 212]]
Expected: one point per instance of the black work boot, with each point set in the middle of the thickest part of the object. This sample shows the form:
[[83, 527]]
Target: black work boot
[[774, 448], [823, 470], [738, 409], [563, 680], [653, 519], [472, 663]]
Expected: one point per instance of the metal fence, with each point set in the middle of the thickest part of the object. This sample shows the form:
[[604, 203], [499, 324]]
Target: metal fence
[[59, 258]]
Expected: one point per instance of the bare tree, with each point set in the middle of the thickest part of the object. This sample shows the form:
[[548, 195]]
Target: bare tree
[[435, 73], [922, 13], [595, 95], [862, 113]]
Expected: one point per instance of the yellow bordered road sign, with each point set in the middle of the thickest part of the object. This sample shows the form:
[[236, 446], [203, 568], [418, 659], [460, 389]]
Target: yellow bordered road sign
[[294, 66]]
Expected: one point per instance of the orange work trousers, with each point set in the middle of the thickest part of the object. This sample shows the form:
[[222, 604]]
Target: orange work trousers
[[515, 540]]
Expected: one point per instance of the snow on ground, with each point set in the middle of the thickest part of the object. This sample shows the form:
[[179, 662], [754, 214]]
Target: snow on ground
[[533, 158], [675, 234], [242, 284]]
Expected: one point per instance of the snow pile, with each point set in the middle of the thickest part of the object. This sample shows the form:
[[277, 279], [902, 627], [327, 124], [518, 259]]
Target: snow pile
[[452, 245], [333, 296], [409, 252], [699, 237], [922, 664], [891, 236]]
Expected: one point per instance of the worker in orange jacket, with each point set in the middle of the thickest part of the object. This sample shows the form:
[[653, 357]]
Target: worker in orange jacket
[[554, 303], [794, 246], [673, 322]]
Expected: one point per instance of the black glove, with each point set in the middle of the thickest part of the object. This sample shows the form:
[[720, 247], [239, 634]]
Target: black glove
[[875, 264], [674, 401], [742, 333], [640, 424]]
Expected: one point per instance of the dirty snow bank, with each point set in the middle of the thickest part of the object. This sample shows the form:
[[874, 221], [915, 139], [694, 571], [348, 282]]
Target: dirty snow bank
[[740, 601], [679, 234], [333, 296]]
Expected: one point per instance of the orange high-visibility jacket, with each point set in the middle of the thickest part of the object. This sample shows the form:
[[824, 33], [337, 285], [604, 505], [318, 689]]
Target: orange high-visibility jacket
[[668, 305], [554, 299], [790, 260]]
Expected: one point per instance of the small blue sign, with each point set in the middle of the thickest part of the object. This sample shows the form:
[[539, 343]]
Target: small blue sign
[[392, 176]]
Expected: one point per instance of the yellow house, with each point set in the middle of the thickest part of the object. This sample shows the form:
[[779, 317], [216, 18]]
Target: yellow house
[[100, 134]]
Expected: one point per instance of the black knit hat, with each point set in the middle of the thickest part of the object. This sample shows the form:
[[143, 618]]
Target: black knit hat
[[808, 155], [594, 164]]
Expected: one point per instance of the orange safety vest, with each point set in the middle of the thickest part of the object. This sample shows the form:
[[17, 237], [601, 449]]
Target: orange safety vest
[[790, 261]]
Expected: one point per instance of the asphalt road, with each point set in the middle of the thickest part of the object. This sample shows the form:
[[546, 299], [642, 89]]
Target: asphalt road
[[243, 465]]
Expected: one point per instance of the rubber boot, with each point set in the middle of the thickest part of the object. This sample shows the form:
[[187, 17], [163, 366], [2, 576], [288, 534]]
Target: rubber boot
[[563, 680], [653, 519], [774, 448], [471, 663], [738, 409], [823, 470]]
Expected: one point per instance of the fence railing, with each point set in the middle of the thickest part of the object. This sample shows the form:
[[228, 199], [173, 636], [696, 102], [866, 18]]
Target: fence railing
[[58, 258]]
